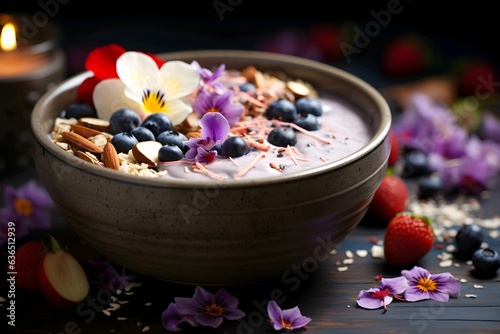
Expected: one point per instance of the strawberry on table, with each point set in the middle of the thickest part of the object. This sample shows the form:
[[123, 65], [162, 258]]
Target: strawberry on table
[[408, 238], [389, 199], [28, 257]]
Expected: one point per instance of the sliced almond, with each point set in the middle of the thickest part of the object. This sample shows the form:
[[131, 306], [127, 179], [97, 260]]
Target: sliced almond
[[84, 131], [81, 142], [86, 156], [147, 152], [110, 156], [94, 123], [298, 89]]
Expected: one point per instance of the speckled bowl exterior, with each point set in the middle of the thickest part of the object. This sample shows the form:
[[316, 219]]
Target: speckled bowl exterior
[[218, 233]]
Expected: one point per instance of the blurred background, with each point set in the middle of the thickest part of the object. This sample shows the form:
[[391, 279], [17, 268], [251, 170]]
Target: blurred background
[[368, 39]]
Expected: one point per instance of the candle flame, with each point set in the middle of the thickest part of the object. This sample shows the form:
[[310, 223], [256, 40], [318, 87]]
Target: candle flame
[[8, 40]]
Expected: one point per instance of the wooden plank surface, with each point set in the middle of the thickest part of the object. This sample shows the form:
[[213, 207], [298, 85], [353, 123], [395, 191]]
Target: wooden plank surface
[[323, 293]]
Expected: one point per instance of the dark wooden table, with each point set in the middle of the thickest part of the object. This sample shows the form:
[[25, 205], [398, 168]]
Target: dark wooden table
[[325, 294]]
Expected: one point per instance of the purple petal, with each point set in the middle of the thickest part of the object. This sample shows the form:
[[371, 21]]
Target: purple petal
[[395, 285], [208, 320], [491, 127], [171, 318], [366, 300], [234, 314], [415, 274], [190, 306], [448, 284], [300, 322], [37, 195], [205, 156], [274, 313], [414, 294], [204, 297], [214, 126], [295, 318]]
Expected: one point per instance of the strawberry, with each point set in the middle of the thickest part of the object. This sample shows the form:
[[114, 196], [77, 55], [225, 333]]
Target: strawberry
[[28, 257], [395, 149], [390, 198], [403, 56], [477, 77], [408, 238]]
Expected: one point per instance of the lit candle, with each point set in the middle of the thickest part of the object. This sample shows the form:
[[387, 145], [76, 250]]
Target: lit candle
[[30, 63], [17, 60]]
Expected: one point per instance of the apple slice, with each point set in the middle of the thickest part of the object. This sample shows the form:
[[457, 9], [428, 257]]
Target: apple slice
[[147, 152], [63, 281], [94, 123]]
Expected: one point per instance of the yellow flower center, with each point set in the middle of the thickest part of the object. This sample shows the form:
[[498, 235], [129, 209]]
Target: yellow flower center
[[23, 207], [214, 310], [426, 284], [286, 324], [212, 109], [153, 101]]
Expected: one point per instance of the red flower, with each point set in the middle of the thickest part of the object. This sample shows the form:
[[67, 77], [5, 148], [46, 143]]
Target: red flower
[[102, 63]]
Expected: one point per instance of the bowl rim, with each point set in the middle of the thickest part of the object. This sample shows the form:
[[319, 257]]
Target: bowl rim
[[70, 83]]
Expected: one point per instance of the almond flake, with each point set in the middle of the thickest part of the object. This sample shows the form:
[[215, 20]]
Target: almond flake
[[470, 295], [478, 286], [348, 254], [361, 252], [377, 252], [342, 268], [446, 263]]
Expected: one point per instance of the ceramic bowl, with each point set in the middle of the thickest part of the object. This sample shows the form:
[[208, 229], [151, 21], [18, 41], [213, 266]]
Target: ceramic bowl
[[209, 233]]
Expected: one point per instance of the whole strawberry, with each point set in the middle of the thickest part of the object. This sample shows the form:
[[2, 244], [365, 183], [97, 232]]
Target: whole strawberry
[[395, 149], [403, 56], [390, 198], [408, 238], [28, 257]]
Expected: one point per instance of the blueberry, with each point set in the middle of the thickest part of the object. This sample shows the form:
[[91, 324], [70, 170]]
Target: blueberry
[[123, 142], [282, 136], [429, 185], [123, 120], [247, 87], [415, 163], [173, 137], [78, 110], [170, 152], [142, 133], [234, 147], [468, 239], [309, 105], [157, 123], [486, 262], [282, 109], [308, 122]]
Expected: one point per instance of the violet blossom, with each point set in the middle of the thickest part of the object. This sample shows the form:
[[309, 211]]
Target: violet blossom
[[207, 76], [209, 101], [203, 309], [28, 207], [383, 294], [424, 285], [430, 127], [288, 319], [214, 130]]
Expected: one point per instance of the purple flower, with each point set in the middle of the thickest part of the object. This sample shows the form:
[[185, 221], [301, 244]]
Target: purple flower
[[172, 319], [208, 77], [430, 127], [205, 308], [424, 285], [474, 171], [26, 207], [210, 101], [214, 129], [31, 204], [382, 295], [288, 319], [106, 274]]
